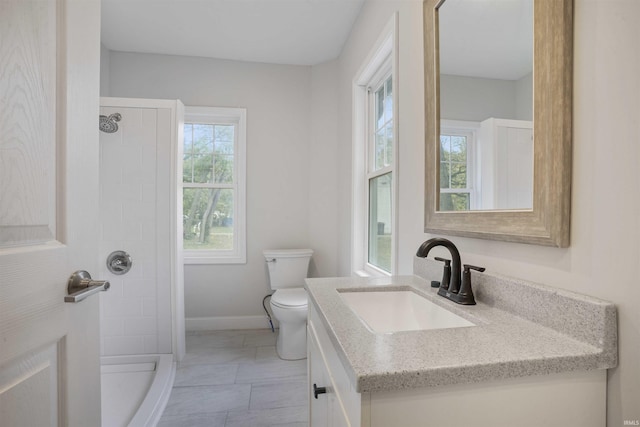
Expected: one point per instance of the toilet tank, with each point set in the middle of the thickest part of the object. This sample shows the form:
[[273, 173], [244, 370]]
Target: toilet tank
[[287, 267]]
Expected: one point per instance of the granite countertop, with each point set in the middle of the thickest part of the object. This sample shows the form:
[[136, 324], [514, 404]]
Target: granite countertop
[[501, 345]]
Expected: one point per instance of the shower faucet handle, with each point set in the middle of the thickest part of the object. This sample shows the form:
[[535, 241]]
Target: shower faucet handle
[[119, 262]]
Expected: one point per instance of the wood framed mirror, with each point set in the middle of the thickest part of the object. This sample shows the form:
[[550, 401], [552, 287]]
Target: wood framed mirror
[[545, 220]]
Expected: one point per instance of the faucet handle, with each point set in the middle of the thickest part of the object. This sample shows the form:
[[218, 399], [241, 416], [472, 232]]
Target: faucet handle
[[466, 293], [446, 275], [468, 267]]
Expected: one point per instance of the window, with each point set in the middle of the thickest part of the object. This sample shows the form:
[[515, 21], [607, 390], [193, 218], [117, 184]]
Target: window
[[457, 166], [380, 148], [375, 160], [213, 185]]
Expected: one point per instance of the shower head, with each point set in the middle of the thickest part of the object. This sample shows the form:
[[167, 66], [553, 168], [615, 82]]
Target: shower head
[[108, 124]]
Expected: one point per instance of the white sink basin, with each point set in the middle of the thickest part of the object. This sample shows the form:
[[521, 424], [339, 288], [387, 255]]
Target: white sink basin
[[394, 311]]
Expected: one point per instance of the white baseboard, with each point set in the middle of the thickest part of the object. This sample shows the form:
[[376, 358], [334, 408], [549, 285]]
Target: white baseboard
[[227, 322]]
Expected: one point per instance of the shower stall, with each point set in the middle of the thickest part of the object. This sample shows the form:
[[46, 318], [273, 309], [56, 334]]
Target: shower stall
[[142, 316]]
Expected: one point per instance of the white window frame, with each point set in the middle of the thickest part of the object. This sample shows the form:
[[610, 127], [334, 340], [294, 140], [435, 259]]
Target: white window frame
[[470, 130], [217, 115], [382, 59]]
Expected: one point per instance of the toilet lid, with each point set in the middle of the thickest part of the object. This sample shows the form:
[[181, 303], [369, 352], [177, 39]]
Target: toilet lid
[[295, 297]]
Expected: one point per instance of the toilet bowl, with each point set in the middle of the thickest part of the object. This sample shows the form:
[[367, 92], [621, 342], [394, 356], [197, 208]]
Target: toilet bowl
[[289, 307], [287, 271]]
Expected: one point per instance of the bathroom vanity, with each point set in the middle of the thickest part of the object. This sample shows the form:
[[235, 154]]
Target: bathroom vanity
[[528, 355]]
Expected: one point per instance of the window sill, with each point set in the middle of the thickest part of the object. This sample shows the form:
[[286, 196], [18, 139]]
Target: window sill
[[371, 272], [204, 259]]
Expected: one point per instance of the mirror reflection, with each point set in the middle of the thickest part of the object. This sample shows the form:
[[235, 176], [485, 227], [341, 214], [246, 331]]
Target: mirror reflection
[[486, 104]]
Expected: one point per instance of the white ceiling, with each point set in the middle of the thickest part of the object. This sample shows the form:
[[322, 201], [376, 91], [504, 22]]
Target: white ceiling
[[486, 38], [479, 38], [298, 32]]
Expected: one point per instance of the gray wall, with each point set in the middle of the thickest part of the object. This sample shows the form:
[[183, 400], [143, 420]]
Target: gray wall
[[476, 99], [290, 178], [105, 56], [524, 98]]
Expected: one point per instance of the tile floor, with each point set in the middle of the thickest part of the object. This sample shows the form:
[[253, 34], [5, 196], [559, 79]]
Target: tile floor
[[235, 379]]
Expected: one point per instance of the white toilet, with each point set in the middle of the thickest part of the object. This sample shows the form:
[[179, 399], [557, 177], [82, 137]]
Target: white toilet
[[287, 271]]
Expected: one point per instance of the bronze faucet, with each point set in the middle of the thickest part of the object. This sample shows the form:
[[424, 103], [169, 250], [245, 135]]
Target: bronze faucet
[[458, 288]]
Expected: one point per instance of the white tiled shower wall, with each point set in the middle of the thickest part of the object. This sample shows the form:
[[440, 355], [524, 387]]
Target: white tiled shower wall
[[135, 173]]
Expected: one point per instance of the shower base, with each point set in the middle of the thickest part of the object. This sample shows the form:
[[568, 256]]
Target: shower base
[[135, 388]]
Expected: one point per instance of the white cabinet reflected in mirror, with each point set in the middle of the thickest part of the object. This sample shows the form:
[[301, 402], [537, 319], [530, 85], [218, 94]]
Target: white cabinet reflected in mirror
[[486, 104], [498, 90]]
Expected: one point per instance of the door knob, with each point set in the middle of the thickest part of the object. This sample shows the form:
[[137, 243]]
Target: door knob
[[318, 390], [80, 286]]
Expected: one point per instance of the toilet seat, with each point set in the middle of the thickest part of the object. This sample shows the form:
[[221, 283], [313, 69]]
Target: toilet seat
[[289, 298]]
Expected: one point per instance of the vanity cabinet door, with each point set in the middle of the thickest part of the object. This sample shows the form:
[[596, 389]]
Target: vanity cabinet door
[[318, 407], [325, 410]]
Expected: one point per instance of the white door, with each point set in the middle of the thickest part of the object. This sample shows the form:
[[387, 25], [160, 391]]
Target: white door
[[49, 79]]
